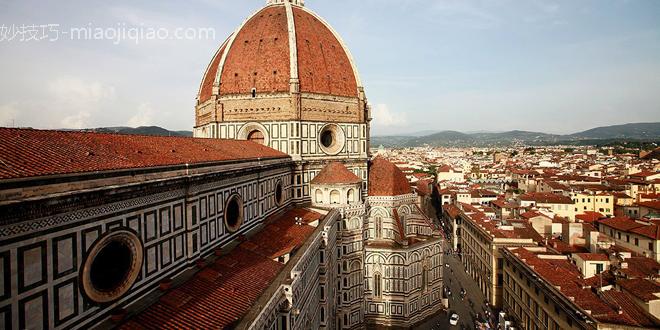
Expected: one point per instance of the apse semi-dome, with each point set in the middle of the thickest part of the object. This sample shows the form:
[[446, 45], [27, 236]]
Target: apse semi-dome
[[283, 63]]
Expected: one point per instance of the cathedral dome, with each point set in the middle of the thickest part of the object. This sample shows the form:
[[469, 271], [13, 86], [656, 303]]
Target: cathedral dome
[[385, 179], [282, 48]]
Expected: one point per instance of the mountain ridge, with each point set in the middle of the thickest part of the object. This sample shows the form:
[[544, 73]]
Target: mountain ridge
[[630, 131]]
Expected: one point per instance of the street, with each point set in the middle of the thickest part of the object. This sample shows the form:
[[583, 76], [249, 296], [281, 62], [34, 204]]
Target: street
[[455, 278]]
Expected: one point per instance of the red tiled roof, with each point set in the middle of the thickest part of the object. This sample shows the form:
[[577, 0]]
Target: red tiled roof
[[640, 267], [655, 205], [593, 256], [533, 214], [215, 298], [451, 210], [589, 216], [335, 173], [385, 179], [641, 288], [259, 56], [566, 277], [546, 198], [650, 231], [620, 223], [221, 293], [284, 235], [632, 313], [423, 187], [323, 65], [32, 153]]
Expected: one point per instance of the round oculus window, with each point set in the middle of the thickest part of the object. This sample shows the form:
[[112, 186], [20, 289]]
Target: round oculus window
[[234, 213], [279, 194], [331, 139], [112, 266]]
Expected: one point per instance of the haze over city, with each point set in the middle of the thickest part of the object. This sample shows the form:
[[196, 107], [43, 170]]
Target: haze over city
[[426, 65]]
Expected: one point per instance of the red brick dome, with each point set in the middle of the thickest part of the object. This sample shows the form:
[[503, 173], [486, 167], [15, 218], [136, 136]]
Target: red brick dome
[[385, 179], [282, 43], [336, 173]]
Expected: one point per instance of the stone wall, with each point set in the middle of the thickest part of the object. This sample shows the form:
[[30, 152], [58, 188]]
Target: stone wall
[[42, 259]]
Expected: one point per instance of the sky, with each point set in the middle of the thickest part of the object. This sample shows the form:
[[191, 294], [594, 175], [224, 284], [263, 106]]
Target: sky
[[465, 65]]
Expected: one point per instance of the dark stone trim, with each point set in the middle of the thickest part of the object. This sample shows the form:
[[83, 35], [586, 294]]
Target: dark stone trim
[[6, 274], [44, 303], [21, 269], [34, 209], [56, 305], [74, 256]]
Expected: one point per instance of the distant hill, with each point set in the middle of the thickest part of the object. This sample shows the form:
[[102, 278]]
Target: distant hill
[[636, 131], [142, 130], [607, 134], [633, 132]]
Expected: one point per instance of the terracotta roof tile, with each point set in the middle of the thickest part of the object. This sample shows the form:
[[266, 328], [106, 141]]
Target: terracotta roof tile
[[620, 223], [323, 65], [32, 153], [640, 267], [220, 294], [385, 179], [593, 256], [641, 288], [335, 173], [259, 56], [546, 198]]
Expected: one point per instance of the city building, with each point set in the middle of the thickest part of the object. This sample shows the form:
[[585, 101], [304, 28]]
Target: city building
[[641, 237], [545, 290], [481, 239]]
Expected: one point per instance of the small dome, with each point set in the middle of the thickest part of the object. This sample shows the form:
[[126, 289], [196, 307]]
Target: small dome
[[335, 173], [385, 179]]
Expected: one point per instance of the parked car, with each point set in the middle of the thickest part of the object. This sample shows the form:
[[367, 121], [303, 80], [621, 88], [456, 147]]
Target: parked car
[[453, 320]]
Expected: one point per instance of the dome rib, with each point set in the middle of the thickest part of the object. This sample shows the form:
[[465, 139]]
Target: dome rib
[[209, 81], [356, 73]]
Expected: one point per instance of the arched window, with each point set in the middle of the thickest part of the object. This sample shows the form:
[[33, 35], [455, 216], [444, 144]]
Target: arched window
[[334, 197], [378, 227], [256, 136], [350, 197], [378, 292], [424, 278], [319, 196]]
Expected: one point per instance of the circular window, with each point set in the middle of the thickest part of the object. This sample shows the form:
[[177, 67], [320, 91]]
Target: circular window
[[112, 266], [327, 138], [331, 139], [279, 194], [234, 213]]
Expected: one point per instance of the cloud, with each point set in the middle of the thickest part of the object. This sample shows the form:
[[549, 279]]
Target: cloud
[[383, 117], [75, 91], [78, 120], [78, 101], [8, 113], [464, 14], [143, 117]]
